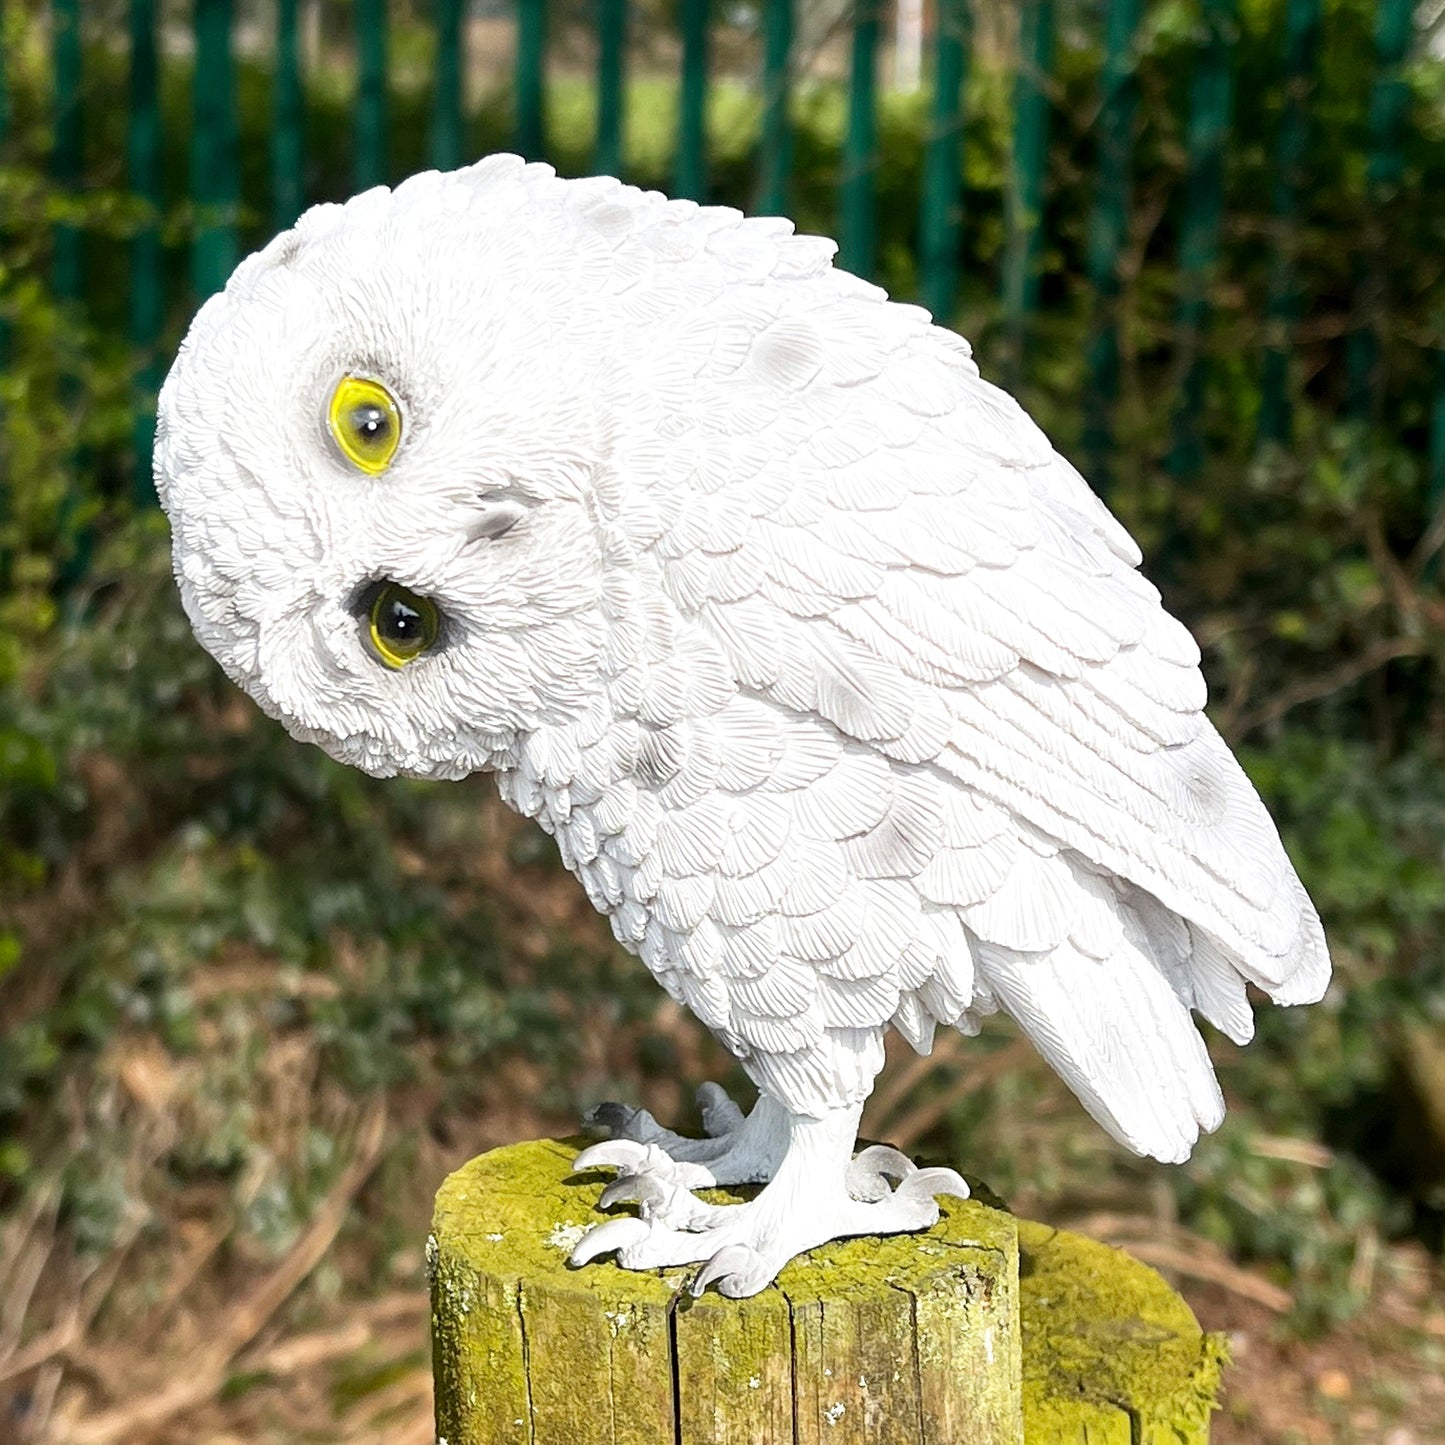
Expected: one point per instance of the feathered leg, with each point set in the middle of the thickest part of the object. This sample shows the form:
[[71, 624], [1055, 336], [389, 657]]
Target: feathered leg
[[818, 1192]]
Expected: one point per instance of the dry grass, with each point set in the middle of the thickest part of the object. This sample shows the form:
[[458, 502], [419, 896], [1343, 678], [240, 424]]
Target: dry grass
[[1380, 1380]]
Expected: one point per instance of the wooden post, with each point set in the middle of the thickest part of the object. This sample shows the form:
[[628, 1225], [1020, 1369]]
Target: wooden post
[[931, 1339]]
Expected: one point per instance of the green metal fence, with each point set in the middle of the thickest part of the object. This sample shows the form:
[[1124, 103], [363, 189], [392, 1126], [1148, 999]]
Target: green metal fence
[[214, 190]]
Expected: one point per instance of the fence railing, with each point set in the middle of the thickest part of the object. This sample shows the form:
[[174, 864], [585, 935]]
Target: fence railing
[[612, 30]]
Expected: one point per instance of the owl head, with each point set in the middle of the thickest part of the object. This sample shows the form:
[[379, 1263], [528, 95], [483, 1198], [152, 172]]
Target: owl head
[[377, 450], [419, 453], [380, 450]]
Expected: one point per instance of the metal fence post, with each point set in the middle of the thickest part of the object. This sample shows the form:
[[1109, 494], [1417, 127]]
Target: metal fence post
[[369, 160], [690, 173], [67, 277], [4, 322], [775, 157], [1209, 117], [445, 146], [1389, 99], [941, 215], [1108, 228], [1024, 213], [611, 90], [215, 184], [1302, 29], [530, 118], [147, 276], [857, 220], [288, 123]]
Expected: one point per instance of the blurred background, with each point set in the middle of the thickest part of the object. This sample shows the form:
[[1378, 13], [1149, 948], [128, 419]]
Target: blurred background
[[253, 1006]]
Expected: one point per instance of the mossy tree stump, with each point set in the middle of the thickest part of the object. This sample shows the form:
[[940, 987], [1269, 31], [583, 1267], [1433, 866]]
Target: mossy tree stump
[[983, 1331]]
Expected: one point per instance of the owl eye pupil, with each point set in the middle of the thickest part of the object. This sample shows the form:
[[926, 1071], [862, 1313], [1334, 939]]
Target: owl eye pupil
[[401, 624], [371, 423]]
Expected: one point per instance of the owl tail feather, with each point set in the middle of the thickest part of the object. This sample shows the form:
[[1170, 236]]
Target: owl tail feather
[[1120, 1036]]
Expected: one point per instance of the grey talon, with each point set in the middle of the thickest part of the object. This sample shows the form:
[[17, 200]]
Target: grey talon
[[610, 1119], [719, 1114]]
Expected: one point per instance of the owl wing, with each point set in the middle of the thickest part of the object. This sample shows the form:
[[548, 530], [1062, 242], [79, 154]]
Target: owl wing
[[907, 581]]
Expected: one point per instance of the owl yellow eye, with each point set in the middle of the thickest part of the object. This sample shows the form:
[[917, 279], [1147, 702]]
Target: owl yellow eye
[[365, 422], [402, 625]]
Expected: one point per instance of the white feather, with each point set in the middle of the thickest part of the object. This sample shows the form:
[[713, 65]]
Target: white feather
[[1120, 1039], [833, 681]]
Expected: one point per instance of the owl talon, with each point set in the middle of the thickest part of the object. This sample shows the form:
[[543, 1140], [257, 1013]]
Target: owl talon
[[738, 1270], [818, 1195], [873, 1168], [720, 1115], [722, 1123], [644, 1190], [926, 1183], [661, 1189], [615, 1234], [621, 1121], [884, 1159], [626, 1155]]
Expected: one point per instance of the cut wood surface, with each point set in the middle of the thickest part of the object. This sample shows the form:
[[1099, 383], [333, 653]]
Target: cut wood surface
[[927, 1339]]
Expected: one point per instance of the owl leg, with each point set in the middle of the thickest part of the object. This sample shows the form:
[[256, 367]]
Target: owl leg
[[818, 1192]]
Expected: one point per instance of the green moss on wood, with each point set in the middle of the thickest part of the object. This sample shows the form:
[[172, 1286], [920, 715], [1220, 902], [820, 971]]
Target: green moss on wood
[[504, 1299], [734, 1370], [969, 1334], [1111, 1353]]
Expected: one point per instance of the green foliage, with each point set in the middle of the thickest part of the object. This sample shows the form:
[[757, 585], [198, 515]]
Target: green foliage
[[1308, 1220], [64, 394]]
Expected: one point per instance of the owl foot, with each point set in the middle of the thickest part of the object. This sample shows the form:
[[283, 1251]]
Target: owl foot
[[817, 1194], [737, 1149]]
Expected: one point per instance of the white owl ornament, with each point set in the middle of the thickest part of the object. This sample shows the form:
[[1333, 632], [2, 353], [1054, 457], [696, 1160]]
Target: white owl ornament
[[837, 687]]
